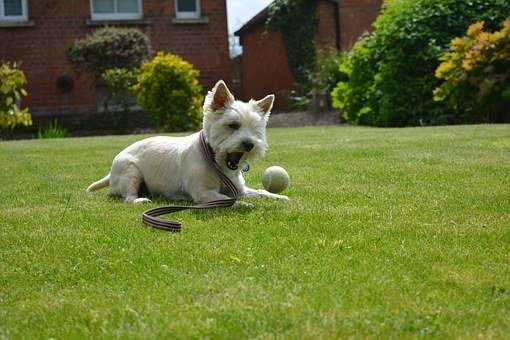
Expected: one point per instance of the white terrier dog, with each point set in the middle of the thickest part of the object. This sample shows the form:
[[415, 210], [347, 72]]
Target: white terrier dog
[[175, 168]]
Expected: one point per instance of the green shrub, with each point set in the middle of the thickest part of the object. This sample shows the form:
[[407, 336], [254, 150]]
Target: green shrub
[[322, 81], [391, 71], [476, 74], [109, 48], [168, 89], [298, 101], [54, 130], [353, 94], [120, 83], [327, 72], [12, 80]]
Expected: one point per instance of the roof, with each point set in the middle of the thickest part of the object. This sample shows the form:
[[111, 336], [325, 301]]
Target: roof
[[258, 19]]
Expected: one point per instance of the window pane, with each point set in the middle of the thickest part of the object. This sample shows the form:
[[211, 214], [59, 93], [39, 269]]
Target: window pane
[[186, 5], [103, 6], [127, 6], [13, 7]]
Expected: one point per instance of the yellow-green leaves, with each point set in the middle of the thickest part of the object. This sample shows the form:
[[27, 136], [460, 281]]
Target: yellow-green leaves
[[475, 69], [12, 81], [168, 88]]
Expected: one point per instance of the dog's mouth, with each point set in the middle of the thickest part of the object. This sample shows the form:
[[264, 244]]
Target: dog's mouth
[[233, 160]]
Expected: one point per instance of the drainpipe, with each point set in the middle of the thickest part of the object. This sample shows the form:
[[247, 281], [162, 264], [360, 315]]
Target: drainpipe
[[337, 25]]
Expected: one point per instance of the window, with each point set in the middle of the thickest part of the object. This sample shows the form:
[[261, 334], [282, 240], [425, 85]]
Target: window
[[187, 9], [13, 10], [116, 9]]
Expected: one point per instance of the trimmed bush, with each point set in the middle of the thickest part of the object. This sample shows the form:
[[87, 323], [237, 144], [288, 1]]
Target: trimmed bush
[[391, 71], [168, 89], [12, 80], [476, 74], [109, 48]]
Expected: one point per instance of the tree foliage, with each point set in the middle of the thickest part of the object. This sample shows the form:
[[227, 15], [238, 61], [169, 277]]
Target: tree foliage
[[12, 80], [391, 72], [476, 73]]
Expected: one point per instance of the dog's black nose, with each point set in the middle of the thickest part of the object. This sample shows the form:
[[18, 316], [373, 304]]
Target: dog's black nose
[[247, 145]]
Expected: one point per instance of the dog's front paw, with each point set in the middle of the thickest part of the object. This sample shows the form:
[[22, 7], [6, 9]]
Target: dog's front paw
[[243, 205], [281, 197], [273, 196], [141, 200]]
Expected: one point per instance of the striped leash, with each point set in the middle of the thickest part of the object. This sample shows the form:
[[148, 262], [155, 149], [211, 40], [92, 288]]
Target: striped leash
[[151, 217]]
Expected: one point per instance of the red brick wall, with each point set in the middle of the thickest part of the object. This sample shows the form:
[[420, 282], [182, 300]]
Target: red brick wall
[[264, 61], [356, 18], [326, 29], [264, 66], [42, 48]]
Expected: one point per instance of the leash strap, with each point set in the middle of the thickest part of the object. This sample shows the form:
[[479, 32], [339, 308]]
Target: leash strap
[[151, 217]]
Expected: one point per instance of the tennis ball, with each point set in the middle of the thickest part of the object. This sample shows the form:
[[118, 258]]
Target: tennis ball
[[275, 179]]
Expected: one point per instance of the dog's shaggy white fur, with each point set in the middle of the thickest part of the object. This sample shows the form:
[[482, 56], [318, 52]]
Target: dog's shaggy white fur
[[174, 167]]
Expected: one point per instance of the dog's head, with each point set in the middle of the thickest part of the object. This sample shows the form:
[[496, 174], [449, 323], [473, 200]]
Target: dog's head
[[235, 130]]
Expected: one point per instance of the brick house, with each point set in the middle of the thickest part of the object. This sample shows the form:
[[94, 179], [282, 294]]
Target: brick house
[[264, 62], [37, 33]]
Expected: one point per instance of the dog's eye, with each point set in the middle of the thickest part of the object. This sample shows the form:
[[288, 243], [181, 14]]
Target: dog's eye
[[234, 126]]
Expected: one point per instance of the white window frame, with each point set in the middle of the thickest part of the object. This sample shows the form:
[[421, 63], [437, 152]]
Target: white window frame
[[22, 17], [116, 16], [188, 15]]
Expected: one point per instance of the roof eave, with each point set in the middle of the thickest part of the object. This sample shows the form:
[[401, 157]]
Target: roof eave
[[259, 18]]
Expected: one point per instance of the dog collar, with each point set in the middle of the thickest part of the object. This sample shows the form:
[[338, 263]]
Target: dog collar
[[210, 150], [151, 217], [208, 154]]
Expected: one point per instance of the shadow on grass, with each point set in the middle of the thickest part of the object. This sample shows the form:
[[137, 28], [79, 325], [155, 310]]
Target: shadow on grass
[[240, 207]]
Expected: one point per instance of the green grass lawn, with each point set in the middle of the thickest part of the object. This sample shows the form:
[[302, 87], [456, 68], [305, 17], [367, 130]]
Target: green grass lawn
[[389, 233]]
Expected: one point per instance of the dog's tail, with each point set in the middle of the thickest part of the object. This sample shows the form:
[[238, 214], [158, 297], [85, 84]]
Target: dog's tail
[[104, 182]]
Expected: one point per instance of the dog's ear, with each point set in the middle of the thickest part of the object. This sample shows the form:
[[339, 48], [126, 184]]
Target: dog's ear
[[219, 97], [265, 105]]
